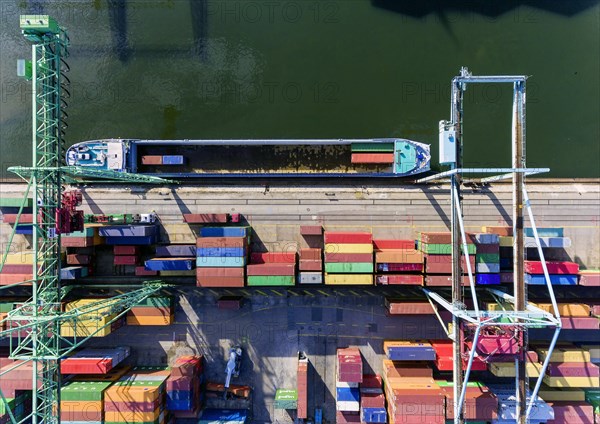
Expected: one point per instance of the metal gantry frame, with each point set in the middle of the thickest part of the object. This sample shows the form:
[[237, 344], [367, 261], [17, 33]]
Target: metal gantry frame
[[35, 326], [522, 315]]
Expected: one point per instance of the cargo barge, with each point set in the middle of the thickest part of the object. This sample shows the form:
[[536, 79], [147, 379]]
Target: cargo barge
[[385, 157]]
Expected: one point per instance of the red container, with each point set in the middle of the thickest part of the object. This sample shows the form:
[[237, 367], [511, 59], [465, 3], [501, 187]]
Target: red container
[[205, 218], [273, 258], [350, 377], [126, 250], [76, 259], [220, 272], [535, 267], [152, 160], [311, 230], [407, 279], [572, 413], [89, 414], [311, 254], [442, 238], [149, 311], [7, 279], [11, 218], [408, 308], [442, 264], [589, 279], [386, 158], [221, 242], [372, 400], [382, 244], [371, 381], [125, 260], [311, 265], [140, 271], [77, 241], [401, 268], [347, 417], [480, 403], [17, 269], [348, 237], [220, 282], [348, 257], [501, 231], [579, 323], [271, 269], [180, 383], [444, 280], [85, 366]]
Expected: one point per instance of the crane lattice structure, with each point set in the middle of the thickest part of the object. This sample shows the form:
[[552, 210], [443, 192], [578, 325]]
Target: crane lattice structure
[[34, 327], [515, 315]]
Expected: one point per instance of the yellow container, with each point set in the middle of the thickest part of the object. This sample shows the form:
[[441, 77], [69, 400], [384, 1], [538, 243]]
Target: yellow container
[[20, 258], [348, 248], [507, 369], [179, 233], [587, 382], [506, 241], [497, 307], [150, 320], [568, 309], [405, 256], [129, 394], [560, 354], [567, 395], [87, 327], [131, 416], [349, 279], [103, 306]]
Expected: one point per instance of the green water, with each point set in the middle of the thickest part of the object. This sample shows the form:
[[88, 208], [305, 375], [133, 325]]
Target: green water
[[308, 69]]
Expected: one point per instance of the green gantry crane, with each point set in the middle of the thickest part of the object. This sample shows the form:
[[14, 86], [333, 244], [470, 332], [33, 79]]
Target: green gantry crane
[[37, 322]]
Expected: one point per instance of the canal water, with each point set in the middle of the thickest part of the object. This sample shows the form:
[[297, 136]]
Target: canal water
[[178, 69]]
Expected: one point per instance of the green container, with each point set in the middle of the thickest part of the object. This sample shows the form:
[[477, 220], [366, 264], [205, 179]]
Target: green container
[[443, 249], [372, 147], [349, 267], [271, 280], [157, 301], [14, 202], [84, 390], [592, 396], [487, 258], [87, 232], [6, 307], [286, 399]]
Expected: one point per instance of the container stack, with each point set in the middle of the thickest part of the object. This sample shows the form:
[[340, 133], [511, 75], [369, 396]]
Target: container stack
[[18, 267], [570, 367], [348, 258], [480, 404], [19, 404], [16, 384], [134, 234], [437, 251], [573, 316], [184, 387], [124, 255], [311, 266], [81, 256], [83, 401], [349, 375], [73, 272], [98, 323], [221, 256], [272, 269], [444, 357], [302, 386], [561, 273], [88, 237], [94, 361], [372, 400], [137, 397], [397, 262], [412, 395], [507, 406], [154, 310], [373, 153], [589, 277], [505, 250], [487, 258]]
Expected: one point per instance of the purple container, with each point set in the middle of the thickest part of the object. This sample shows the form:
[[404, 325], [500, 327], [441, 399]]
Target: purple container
[[128, 231], [177, 251]]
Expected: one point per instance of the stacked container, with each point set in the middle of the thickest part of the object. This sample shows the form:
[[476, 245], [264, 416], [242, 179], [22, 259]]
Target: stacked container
[[589, 277], [487, 258], [311, 266], [348, 258], [480, 403], [184, 386], [154, 310], [570, 367], [126, 255], [349, 375], [88, 237], [437, 250], [83, 401], [272, 269], [221, 256], [137, 397], [397, 262], [96, 323], [94, 361], [302, 388], [372, 400], [18, 267], [507, 407], [135, 234], [561, 273], [505, 242], [444, 357], [19, 404]]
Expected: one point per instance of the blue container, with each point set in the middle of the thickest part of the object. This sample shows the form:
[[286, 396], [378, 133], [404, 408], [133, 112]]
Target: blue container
[[487, 279], [179, 404], [347, 394], [73, 272], [545, 232], [172, 160], [223, 416], [128, 231], [485, 238], [488, 268], [180, 395], [159, 264], [373, 415], [176, 251], [558, 242], [220, 261], [411, 353], [224, 231], [138, 241], [555, 279], [24, 229], [13, 210], [220, 251]]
